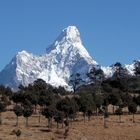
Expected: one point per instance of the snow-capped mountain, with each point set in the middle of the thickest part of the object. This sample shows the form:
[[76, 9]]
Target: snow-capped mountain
[[66, 56], [63, 58], [130, 68], [109, 71]]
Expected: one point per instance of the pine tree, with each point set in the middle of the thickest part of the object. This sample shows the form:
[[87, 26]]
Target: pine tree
[[18, 110], [119, 112], [48, 112], [2, 109], [27, 112], [132, 107], [75, 81]]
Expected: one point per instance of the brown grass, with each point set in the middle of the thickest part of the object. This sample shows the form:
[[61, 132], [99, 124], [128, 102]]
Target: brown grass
[[92, 130]]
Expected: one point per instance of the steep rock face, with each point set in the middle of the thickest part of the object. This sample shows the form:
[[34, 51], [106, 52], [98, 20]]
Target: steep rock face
[[64, 57]]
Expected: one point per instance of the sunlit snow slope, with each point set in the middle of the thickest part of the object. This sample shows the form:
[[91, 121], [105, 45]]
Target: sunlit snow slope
[[66, 56], [63, 58]]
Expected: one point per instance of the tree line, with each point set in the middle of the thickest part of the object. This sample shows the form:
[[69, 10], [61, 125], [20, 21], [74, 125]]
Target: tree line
[[92, 98]]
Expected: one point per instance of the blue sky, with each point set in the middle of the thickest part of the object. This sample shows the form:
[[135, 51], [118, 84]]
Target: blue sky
[[110, 29]]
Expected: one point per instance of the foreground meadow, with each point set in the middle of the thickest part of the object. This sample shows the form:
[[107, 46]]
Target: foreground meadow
[[78, 130]]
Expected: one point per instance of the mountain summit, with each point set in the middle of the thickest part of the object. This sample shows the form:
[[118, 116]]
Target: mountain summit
[[64, 57], [70, 33]]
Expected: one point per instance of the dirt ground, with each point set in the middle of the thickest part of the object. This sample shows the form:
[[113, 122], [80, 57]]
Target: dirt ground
[[91, 130]]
